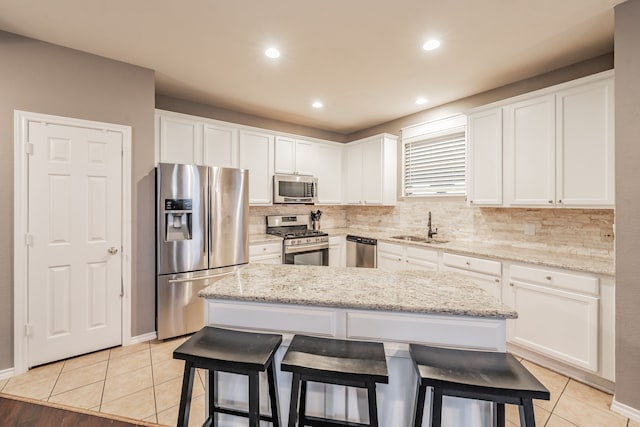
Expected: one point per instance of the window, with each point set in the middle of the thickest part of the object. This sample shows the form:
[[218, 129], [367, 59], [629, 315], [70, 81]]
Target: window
[[434, 158]]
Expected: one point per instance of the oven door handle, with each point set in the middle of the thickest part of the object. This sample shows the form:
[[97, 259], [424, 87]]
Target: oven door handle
[[306, 248]]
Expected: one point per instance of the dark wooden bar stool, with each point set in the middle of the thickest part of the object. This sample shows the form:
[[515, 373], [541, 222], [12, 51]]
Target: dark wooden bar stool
[[492, 376], [224, 350], [332, 361]]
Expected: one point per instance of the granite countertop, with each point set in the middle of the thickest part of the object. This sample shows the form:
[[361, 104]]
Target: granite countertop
[[575, 262], [359, 288]]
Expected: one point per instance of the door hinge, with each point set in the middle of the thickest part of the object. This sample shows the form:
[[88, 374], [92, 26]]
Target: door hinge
[[29, 148], [28, 239], [28, 330]]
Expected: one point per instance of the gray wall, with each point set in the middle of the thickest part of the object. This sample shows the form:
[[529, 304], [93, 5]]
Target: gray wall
[[169, 103], [44, 78], [561, 75], [627, 62]]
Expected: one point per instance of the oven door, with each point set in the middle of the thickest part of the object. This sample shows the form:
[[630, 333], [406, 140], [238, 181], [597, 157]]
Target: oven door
[[307, 255]]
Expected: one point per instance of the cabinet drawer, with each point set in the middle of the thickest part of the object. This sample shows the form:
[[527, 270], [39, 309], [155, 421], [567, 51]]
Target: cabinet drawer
[[468, 263], [280, 318], [568, 281], [422, 254], [390, 248], [265, 249]]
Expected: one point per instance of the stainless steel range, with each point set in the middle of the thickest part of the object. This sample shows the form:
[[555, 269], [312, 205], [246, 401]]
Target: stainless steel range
[[300, 244]]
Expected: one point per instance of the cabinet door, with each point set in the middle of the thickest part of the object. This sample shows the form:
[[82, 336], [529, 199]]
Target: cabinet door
[[529, 150], [256, 154], [353, 174], [585, 145], [421, 259], [560, 324], [491, 284], [180, 140], [220, 146], [337, 255], [285, 155], [329, 173], [305, 157], [372, 172], [484, 158]]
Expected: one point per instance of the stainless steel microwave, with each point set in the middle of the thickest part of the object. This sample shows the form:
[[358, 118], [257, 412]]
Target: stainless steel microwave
[[295, 189]]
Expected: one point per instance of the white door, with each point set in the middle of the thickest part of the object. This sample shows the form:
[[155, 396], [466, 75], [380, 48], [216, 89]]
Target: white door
[[75, 227]]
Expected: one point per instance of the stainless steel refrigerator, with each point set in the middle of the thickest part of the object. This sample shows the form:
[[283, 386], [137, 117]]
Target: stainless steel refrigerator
[[202, 235]]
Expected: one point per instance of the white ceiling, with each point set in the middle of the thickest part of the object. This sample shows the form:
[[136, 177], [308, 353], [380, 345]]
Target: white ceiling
[[362, 58]]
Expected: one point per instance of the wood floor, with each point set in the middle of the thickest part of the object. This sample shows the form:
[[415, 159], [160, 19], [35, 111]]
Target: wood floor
[[30, 413]]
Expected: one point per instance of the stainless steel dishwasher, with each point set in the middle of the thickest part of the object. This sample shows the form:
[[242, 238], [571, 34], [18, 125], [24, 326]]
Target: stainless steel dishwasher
[[362, 252]]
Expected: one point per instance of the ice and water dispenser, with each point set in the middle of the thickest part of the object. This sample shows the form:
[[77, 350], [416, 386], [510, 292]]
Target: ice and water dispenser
[[178, 219]]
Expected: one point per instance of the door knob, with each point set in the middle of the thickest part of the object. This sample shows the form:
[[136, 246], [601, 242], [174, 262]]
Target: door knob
[[113, 250]]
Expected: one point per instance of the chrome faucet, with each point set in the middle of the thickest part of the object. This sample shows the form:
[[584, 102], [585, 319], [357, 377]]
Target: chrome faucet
[[430, 232]]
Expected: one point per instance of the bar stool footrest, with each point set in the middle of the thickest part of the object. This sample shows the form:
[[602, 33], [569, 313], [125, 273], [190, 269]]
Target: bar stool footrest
[[323, 422], [239, 413]]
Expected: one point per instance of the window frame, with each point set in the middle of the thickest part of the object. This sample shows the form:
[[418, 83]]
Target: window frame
[[434, 130]]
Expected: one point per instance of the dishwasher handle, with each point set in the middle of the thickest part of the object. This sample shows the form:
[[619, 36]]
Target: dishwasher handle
[[362, 240]]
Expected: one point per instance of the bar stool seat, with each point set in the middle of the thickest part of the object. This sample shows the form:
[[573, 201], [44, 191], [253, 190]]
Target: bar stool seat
[[225, 350], [483, 375], [332, 361]]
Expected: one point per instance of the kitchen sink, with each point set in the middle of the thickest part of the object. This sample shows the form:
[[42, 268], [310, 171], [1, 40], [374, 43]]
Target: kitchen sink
[[417, 239]]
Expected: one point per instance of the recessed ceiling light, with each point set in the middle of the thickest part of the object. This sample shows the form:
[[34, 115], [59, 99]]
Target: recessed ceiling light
[[272, 52], [421, 100], [317, 104], [431, 44]]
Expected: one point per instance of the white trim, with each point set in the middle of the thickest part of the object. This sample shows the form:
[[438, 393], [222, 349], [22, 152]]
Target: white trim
[[6, 373], [20, 210], [625, 410], [143, 338]]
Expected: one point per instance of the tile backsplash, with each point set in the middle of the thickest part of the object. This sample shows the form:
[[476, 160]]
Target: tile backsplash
[[578, 231]]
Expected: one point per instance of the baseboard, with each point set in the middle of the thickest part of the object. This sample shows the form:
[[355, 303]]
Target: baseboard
[[626, 411], [7, 373], [143, 338]]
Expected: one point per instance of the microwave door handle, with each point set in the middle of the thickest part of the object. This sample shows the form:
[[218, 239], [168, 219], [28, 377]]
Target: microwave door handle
[[314, 189]]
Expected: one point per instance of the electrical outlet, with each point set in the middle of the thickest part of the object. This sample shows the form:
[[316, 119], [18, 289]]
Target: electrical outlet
[[529, 229]]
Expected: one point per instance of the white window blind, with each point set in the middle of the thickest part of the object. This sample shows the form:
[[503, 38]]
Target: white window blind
[[435, 165]]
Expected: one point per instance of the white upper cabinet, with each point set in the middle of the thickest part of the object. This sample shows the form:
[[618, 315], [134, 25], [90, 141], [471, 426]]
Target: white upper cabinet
[[557, 148], [529, 152], [484, 158], [585, 145], [371, 170], [294, 156], [257, 155], [220, 146], [179, 139], [329, 173]]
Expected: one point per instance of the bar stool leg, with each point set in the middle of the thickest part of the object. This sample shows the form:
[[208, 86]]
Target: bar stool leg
[[498, 414], [373, 407], [293, 405], [527, 418], [254, 399], [302, 417], [273, 395], [212, 396], [185, 395], [419, 406], [436, 405]]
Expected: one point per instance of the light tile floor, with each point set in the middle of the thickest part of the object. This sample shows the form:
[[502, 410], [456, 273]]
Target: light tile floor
[[143, 382]]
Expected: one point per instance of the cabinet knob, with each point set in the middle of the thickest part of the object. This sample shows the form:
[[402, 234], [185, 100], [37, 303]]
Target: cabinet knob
[[511, 284], [550, 201], [497, 280], [471, 201], [468, 264], [559, 201], [548, 277]]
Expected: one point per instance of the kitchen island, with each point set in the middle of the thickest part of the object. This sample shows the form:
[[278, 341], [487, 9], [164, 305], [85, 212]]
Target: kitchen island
[[393, 307]]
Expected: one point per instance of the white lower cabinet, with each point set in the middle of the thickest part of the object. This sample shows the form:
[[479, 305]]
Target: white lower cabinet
[[266, 253], [393, 257], [485, 273], [557, 314], [337, 254]]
